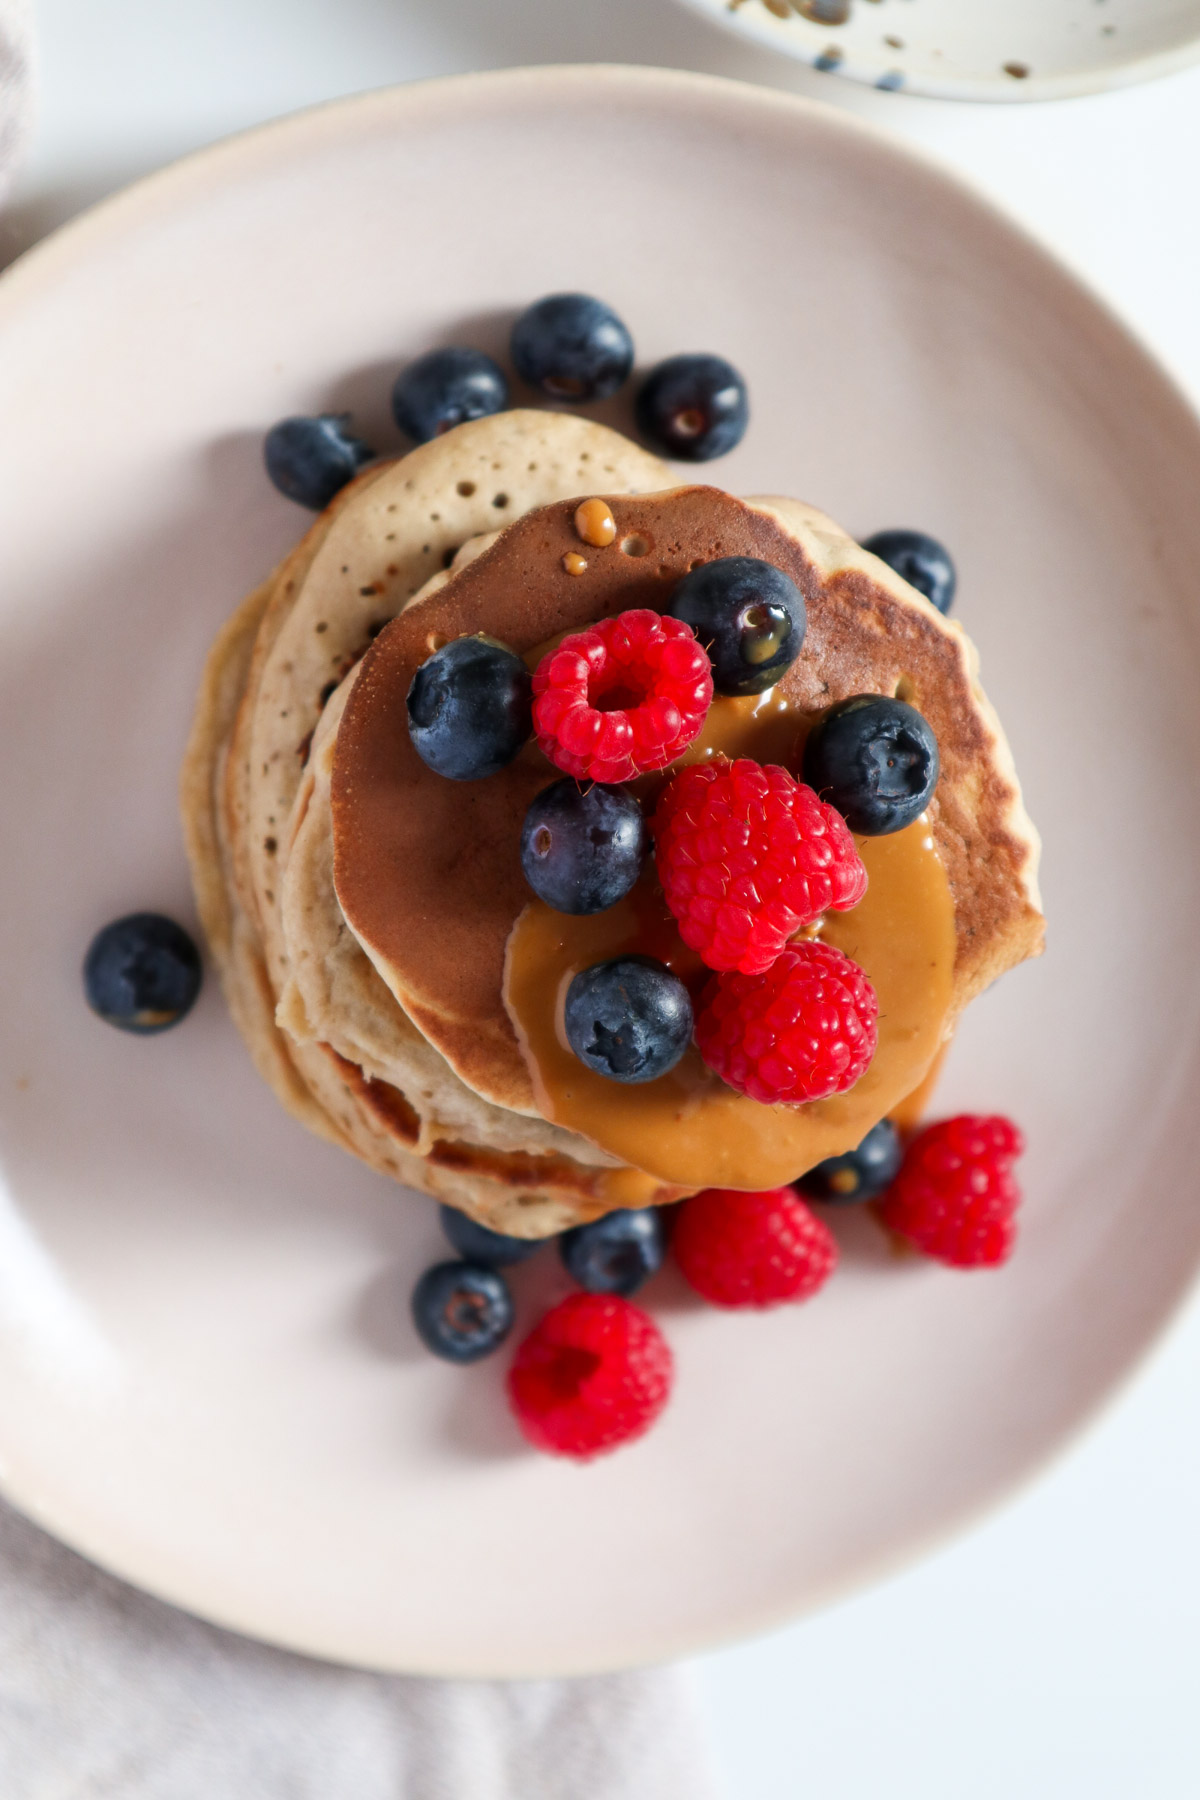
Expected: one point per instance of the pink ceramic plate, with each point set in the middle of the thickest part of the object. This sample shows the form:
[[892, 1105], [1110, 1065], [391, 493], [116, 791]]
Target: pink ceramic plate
[[207, 1378]]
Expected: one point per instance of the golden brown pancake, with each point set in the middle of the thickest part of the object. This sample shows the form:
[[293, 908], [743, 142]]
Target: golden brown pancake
[[406, 1055], [249, 768], [428, 871]]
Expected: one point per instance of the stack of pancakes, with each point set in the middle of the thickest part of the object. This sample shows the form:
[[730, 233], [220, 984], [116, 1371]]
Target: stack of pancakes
[[370, 989]]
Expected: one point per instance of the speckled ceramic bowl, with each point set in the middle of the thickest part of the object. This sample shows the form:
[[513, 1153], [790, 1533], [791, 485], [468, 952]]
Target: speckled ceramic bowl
[[975, 49]]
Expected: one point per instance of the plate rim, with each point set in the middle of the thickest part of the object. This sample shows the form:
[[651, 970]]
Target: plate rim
[[275, 139], [146, 192]]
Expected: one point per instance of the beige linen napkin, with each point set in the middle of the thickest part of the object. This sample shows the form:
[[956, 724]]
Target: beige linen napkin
[[106, 1694], [16, 84]]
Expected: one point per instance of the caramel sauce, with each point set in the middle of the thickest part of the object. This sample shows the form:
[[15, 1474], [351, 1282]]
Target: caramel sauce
[[573, 563], [630, 1187], [911, 1110], [768, 727], [595, 523], [687, 1127]]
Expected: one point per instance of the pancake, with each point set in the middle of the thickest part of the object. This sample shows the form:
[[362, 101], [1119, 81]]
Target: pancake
[[396, 1043], [272, 672], [335, 996], [428, 872]]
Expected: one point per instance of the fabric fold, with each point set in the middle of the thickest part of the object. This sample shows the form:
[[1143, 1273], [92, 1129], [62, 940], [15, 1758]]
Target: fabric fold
[[106, 1692]]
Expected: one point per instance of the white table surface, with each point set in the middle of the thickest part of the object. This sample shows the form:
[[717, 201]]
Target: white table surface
[[1054, 1651]]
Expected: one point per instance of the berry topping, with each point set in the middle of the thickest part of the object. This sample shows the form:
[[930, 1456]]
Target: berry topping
[[444, 388], [860, 1174], [469, 708], [624, 697], [920, 560], [311, 460], [955, 1196], [742, 1249], [802, 1031], [749, 616], [693, 407], [479, 1245], [629, 1019], [141, 973], [747, 855], [615, 1254], [573, 347], [462, 1311], [876, 760], [582, 848], [594, 1374]]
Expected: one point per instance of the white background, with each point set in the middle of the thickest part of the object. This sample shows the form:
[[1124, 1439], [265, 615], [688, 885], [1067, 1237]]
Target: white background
[[1055, 1652]]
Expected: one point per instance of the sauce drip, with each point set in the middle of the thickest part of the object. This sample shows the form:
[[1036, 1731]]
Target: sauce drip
[[595, 524]]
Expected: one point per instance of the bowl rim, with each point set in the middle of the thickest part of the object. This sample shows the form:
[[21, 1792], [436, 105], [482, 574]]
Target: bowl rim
[[814, 45]]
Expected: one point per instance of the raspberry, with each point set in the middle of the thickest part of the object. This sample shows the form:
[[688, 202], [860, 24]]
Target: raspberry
[[740, 1249], [955, 1195], [626, 696], [804, 1030], [595, 1373], [747, 855]]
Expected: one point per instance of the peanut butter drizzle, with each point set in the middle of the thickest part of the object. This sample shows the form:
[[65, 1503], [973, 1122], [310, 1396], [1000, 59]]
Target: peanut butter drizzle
[[632, 1187], [767, 727], [687, 1127], [595, 523], [911, 1110]]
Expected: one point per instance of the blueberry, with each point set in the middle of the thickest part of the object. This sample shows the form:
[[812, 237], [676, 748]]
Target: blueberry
[[693, 407], [573, 347], [875, 760], [479, 1245], [859, 1175], [615, 1254], [629, 1019], [749, 616], [141, 973], [920, 560], [582, 848], [470, 708], [440, 390], [462, 1310], [311, 460]]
